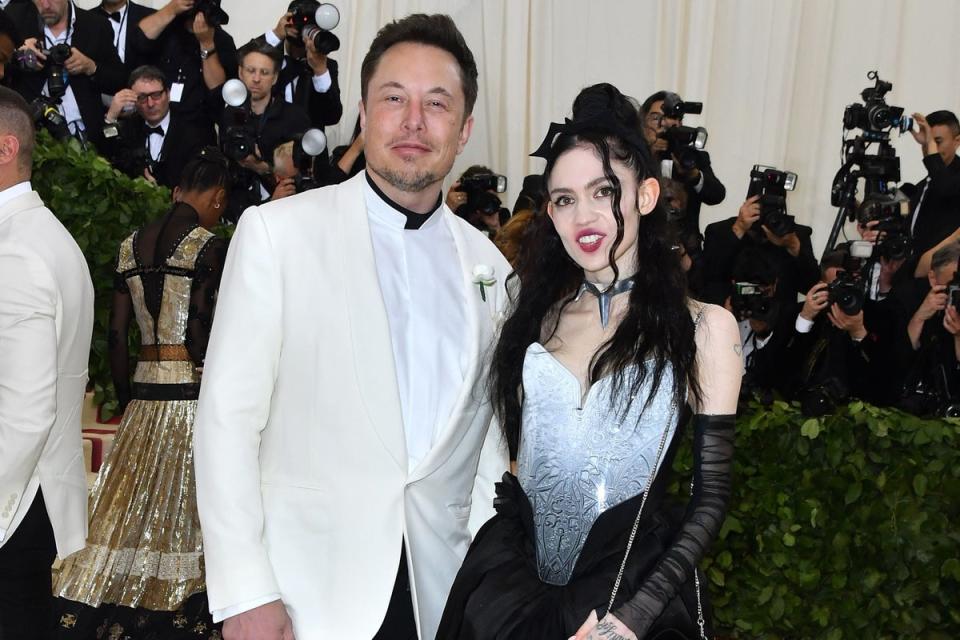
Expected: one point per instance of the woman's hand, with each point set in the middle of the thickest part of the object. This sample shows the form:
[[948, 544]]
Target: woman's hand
[[610, 628]]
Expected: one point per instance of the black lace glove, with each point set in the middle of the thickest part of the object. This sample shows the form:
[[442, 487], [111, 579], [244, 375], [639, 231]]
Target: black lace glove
[[712, 472]]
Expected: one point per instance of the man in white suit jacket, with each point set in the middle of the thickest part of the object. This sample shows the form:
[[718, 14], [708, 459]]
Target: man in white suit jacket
[[342, 414], [46, 320]]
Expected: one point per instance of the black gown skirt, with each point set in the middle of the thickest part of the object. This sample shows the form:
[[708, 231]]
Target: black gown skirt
[[498, 594]]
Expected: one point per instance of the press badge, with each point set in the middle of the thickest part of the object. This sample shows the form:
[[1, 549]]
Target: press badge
[[176, 92]]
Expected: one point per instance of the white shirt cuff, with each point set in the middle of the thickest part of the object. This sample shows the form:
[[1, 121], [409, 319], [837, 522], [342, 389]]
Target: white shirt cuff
[[699, 183], [272, 39], [803, 325], [222, 614], [323, 82]]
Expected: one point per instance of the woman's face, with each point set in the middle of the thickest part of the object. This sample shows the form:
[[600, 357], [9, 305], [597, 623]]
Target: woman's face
[[581, 208]]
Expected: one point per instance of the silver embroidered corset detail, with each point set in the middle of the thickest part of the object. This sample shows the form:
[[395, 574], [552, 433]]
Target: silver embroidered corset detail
[[576, 462]]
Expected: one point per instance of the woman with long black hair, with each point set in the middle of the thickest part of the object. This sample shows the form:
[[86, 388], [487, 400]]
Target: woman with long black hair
[[591, 379]]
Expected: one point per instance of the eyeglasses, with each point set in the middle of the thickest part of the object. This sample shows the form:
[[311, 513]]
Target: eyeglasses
[[655, 119], [143, 98]]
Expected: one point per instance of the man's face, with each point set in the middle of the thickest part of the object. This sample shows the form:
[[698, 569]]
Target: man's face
[[258, 74], [414, 116], [6, 53], [654, 123], [944, 275], [153, 101], [947, 141], [51, 11]]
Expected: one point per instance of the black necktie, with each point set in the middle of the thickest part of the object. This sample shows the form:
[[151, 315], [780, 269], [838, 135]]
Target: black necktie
[[116, 16], [155, 131]]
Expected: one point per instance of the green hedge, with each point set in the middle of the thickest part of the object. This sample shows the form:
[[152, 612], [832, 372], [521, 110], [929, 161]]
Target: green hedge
[[100, 207], [843, 527]]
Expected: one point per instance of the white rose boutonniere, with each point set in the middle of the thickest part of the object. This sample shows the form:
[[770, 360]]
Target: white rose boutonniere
[[484, 276]]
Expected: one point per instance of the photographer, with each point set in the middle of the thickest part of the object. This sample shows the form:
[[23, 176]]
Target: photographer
[[187, 42], [936, 206], [308, 77], [124, 16], [61, 37], [792, 252], [264, 123], [701, 185], [833, 353], [930, 346], [142, 137], [475, 198]]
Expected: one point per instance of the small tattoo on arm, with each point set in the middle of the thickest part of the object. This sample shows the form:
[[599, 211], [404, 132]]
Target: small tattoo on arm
[[608, 631], [738, 349]]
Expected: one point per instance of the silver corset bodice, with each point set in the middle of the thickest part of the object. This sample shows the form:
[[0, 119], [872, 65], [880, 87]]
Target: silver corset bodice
[[575, 462]]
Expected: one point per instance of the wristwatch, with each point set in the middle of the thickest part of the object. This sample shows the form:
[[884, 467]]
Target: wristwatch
[[206, 53]]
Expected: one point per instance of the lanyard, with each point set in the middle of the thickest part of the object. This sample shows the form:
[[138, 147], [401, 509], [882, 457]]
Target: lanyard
[[123, 21]]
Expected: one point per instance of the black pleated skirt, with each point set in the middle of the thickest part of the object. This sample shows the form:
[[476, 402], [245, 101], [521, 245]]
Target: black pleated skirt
[[498, 594]]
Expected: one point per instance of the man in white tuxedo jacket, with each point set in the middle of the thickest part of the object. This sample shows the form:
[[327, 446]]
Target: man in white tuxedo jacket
[[46, 320], [343, 413]]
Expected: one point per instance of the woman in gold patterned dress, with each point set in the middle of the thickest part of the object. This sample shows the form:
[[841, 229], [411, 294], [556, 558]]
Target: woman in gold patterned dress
[[141, 575]]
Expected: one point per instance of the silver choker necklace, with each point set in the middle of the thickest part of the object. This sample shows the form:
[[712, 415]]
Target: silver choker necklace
[[605, 297]]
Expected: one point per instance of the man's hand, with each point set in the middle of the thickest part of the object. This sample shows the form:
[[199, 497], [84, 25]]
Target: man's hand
[[79, 64], [266, 622], [789, 241], [951, 321], [124, 100], [853, 325], [203, 31], [34, 45], [149, 177], [316, 60], [285, 187], [748, 214], [253, 163], [180, 6], [691, 175], [923, 135], [869, 231], [935, 301], [816, 301], [281, 29]]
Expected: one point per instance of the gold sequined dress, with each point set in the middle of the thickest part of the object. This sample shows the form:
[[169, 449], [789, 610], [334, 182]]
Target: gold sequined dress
[[144, 550]]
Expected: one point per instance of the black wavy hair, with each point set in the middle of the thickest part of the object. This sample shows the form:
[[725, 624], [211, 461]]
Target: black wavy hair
[[657, 330]]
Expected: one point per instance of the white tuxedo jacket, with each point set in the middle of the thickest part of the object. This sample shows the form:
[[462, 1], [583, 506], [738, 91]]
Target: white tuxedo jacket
[[46, 321], [301, 465]]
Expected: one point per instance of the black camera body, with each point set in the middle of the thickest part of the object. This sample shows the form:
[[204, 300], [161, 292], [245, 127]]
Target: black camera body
[[480, 200], [847, 292], [46, 115], [674, 107], [750, 302], [875, 115], [305, 21], [239, 138], [53, 69], [772, 185], [685, 144]]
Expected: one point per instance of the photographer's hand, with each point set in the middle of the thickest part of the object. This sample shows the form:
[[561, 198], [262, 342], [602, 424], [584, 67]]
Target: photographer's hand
[[285, 187], [316, 60], [868, 232], [149, 177], [281, 29], [124, 99], [790, 241], [853, 325], [253, 163], [203, 31], [936, 300], [33, 45], [79, 64], [455, 198], [179, 6], [923, 135], [748, 214], [815, 301], [951, 321]]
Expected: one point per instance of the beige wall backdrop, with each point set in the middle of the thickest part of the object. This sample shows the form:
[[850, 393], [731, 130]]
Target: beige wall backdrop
[[774, 77]]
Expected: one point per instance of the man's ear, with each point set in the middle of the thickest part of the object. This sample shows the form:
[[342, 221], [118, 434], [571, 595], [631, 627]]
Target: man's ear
[[9, 149]]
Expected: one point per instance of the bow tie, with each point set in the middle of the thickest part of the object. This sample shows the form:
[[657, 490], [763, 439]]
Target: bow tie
[[155, 131], [606, 296], [116, 16]]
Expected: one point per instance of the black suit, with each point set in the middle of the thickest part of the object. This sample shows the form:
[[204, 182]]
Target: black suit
[[177, 53], [721, 248], [712, 192], [133, 57], [939, 214], [128, 151], [93, 36]]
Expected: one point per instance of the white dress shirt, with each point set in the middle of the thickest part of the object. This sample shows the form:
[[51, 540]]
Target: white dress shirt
[[155, 142], [120, 32]]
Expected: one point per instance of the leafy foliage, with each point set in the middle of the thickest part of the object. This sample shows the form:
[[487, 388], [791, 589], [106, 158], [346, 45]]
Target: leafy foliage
[[100, 207], [840, 527]]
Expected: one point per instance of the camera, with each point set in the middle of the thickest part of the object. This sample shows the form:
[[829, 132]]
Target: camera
[[53, 68], [480, 201], [823, 398], [891, 212], [750, 302], [953, 291], [846, 292], [685, 143], [674, 107], [315, 20], [212, 13], [772, 185], [875, 115], [46, 114], [239, 138]]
